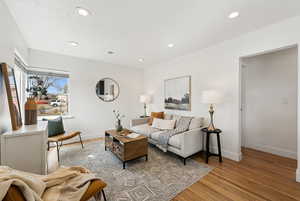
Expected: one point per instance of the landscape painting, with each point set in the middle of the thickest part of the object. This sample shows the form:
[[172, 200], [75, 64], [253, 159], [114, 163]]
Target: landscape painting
[[178, 93]]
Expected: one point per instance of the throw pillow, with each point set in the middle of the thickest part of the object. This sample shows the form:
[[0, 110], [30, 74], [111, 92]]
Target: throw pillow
[[163, 124], [183, 124], [168, 117], [55, 127], [176, 117], [155, 123], [158, 115], [196, 123]]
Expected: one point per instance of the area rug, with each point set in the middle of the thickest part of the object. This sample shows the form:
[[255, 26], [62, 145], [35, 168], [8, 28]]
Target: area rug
[[160, 178]]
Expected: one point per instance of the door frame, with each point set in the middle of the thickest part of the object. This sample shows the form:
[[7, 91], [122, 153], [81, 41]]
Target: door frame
[[240, 112]]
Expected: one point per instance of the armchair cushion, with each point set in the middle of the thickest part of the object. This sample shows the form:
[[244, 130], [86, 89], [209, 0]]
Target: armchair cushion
[[55, 127]]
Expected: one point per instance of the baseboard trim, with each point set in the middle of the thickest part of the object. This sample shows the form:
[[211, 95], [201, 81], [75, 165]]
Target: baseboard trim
[[228, 154], [298, 175], [274, 150]]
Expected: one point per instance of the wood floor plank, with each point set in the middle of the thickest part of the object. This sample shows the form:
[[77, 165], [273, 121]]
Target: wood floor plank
[[251, 185], [284, 185], [204, 191], [259, 176], [229, 190], [288, 162]]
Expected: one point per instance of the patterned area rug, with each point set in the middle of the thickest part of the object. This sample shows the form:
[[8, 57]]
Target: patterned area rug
[[161, 178]]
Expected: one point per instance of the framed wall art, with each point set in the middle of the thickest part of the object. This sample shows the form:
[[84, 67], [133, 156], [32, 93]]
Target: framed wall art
[[178, 93]]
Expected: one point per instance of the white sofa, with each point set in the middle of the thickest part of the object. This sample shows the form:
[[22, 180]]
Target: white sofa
[[184, 144]]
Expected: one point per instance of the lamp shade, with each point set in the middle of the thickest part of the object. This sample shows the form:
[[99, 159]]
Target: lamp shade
[[146, 99], [211, 97]]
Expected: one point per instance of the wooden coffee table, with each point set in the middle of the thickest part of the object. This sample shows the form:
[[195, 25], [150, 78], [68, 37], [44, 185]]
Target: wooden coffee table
[[125, 148]]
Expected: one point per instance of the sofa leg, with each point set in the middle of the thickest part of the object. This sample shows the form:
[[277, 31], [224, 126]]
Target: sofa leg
[[104, 197], [184, 163]]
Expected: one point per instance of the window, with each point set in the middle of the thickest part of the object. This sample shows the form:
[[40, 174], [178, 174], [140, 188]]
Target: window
[[20, 76], [50, 91]]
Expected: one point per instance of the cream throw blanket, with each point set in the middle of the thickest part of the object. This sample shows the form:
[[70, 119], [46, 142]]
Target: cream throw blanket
[[65, 184]]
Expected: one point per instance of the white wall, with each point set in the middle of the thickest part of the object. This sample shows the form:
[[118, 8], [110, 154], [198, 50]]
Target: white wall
[[217, 67], [92, 115], [11, 40], [270, 102]]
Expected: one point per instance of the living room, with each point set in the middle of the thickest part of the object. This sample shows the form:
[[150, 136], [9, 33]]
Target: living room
[[149, 51]]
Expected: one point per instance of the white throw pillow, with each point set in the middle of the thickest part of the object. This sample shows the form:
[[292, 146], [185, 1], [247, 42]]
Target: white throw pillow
[[163, 124], [168, 117], [176, 118], [196, 122], [155, 123]]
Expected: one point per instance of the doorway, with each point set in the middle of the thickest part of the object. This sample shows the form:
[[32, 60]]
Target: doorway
[[269, 85]]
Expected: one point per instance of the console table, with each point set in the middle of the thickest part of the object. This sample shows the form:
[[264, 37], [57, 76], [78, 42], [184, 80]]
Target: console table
[[25, 149]]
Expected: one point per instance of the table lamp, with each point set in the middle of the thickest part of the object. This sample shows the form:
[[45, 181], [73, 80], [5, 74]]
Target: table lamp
[[211, 97], [145, 99]]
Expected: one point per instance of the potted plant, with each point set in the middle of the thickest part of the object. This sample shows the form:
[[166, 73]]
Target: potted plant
[[119, 117]]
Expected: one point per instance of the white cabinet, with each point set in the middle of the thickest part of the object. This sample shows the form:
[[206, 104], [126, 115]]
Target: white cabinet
[[26, 148]]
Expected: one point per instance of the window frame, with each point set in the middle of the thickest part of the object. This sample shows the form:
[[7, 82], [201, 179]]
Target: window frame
[[24, 70], [40, 72]]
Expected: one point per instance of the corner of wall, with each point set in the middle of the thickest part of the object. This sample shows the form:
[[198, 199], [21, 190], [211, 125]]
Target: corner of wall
[[298, 175]]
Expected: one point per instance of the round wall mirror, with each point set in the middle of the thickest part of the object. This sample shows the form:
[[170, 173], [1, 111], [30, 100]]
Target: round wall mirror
[[107, 89]]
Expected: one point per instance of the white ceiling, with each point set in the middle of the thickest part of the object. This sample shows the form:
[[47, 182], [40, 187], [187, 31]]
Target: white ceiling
[[136, 29]]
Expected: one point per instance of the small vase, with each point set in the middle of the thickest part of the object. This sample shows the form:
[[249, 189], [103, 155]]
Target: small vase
[[119, 127], [30, 112]]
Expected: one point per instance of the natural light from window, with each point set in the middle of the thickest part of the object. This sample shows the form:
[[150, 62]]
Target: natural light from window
[[50, 93]]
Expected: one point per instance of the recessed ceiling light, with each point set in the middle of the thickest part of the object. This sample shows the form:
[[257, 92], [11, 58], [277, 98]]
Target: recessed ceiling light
[[171, 45], [234, 15], [141, 60], [73, 43], [110, 52], [82, 11]]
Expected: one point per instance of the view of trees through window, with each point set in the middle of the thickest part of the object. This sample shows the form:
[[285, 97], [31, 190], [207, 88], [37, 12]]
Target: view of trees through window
[[50, 93]]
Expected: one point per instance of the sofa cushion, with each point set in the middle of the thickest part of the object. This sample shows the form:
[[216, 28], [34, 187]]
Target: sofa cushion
[[196, 122], [183, 124], [168, 117], [159, 115], [163, 124], [176, 117], [144, 129], [175, 141], [155, 135]]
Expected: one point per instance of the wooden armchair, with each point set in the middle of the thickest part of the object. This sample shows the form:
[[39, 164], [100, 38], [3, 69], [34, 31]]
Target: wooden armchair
[[61, 138], [14, 194]]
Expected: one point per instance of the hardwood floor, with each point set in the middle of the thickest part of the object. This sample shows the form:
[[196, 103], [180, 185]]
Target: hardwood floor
[[258, 177]]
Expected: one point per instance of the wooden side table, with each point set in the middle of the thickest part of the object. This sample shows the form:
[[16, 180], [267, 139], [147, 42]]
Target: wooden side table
[[208, 133]]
